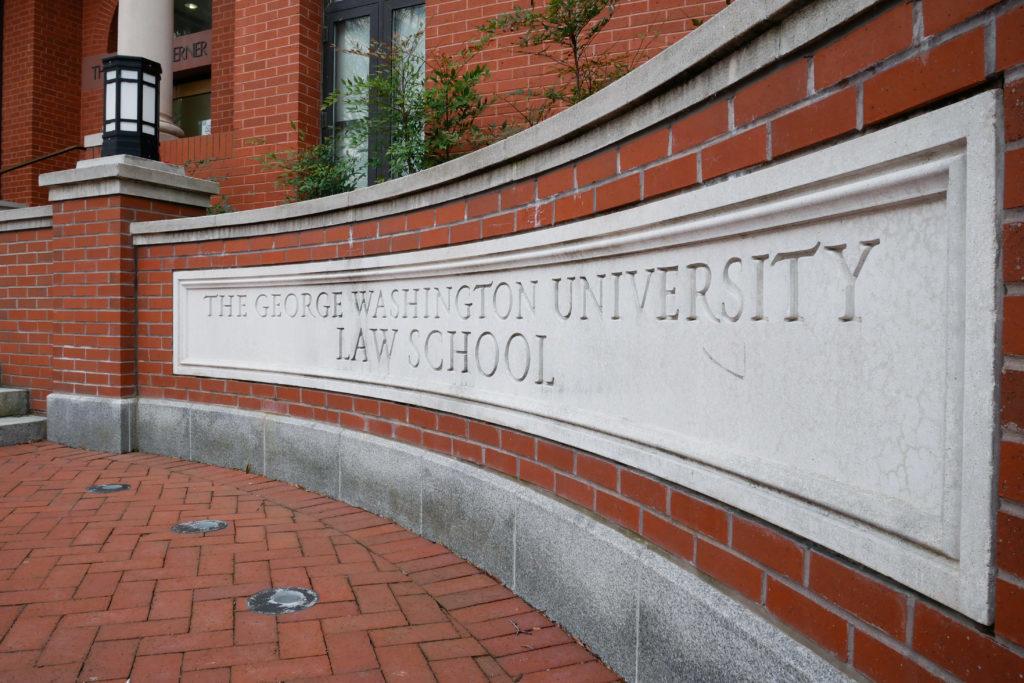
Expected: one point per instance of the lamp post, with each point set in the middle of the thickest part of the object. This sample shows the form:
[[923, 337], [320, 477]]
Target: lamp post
[[131, 97]]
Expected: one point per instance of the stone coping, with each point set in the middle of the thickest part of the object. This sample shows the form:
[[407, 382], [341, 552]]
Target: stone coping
[[131, 176], [27, 218], [744, 37], [646, 616]]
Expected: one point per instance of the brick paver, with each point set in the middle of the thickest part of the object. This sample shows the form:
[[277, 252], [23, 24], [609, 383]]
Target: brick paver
[[96, 587]]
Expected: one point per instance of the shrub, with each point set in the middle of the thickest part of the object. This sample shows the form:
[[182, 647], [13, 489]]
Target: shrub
[[314, 170], [425, 112], [564, 33]]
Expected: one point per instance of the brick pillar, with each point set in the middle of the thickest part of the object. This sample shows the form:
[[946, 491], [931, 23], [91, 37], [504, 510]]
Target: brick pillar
[[276, 81], [222, 66], [93, 290]]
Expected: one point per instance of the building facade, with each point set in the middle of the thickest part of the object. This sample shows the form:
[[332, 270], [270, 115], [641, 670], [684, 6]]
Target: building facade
[[761, 416], [245, 71]]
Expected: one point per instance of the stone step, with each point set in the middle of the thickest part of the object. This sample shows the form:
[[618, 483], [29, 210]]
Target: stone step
[[13, 402], [22, 429]]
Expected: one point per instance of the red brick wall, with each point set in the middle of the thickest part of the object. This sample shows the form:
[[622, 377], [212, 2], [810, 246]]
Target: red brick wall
[[283, 41], [638, 30], [26, 273], [222, 67], [275, 81], [41, 71], [93, 292], [266, 74], [905, 58], [206, 156]]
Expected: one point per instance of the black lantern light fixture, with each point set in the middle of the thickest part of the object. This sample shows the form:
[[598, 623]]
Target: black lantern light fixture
[[131, 104]]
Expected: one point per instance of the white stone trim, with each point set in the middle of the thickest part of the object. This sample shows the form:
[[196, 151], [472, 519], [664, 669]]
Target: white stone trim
[[130, 176], [27, 218]]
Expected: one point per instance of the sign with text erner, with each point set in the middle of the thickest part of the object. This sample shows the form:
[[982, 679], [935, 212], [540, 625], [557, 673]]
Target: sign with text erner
[[189, 52], [814, 342]]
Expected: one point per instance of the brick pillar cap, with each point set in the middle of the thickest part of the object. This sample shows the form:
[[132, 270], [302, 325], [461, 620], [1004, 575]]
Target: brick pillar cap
[[128, 176]]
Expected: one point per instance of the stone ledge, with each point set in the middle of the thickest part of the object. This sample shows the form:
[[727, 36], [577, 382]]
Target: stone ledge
[[27, 218], [130, 176], [644, 615], [22, 429]]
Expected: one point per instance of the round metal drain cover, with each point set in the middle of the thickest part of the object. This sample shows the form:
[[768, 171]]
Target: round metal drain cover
[[108, 488], [282, 600], [199, 526]]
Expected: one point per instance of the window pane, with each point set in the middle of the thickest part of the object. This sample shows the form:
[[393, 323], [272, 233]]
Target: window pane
[[408, 33], [352, 41], [408, 38], [407, 28], [192, 16], [192, 114]]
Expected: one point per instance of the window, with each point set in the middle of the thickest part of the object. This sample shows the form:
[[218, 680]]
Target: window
[[191, 107], [351, 29], [192, 16], [191, 104]]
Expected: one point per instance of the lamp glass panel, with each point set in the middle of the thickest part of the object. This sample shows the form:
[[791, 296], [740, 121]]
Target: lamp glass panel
[[129, 75], [148, 129], [149, 78], [129, 100], [110, 104], [148, 104], [130, 126]]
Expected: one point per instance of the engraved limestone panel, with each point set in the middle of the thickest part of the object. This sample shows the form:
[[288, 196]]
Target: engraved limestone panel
[[813, 343]]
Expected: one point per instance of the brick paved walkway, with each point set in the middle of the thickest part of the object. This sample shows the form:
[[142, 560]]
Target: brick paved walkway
[[96, 587]]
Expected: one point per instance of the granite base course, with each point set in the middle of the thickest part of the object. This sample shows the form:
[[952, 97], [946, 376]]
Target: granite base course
[[22, 429], [91, 422], [647, 617]]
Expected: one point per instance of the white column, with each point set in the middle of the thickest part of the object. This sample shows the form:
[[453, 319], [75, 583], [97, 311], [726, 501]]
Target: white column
[[145, 28]]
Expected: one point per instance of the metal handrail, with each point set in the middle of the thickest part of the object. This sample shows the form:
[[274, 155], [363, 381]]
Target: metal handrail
[[44, 157]]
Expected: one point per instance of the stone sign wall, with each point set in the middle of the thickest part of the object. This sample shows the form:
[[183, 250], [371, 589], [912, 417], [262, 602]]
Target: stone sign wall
[[813, 343]]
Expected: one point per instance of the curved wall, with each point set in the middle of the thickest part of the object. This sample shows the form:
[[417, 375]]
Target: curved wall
[[761, 82], [709, 339]]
